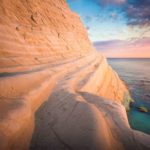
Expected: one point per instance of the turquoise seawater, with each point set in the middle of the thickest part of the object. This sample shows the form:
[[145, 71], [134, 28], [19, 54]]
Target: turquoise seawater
[[136, 74]]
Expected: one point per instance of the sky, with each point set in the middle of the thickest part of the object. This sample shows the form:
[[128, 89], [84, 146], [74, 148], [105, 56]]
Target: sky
[[117, 28]]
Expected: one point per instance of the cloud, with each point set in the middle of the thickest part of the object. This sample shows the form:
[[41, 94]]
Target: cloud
[[88, 19], [120, 48], [103, 45], [107, 2], [138, 12], [114, 16], [121, 43], [87, 27]]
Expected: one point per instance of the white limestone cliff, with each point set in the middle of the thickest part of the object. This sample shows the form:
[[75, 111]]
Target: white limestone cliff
[[56, 91]]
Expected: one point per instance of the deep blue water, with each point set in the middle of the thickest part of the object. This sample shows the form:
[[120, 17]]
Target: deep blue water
[[136, 73]]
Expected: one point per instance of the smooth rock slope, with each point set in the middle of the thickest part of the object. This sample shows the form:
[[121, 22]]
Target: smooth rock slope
[[56, 91]]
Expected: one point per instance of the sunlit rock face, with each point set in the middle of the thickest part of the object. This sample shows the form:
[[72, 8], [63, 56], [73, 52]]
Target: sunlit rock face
[[46, 58]]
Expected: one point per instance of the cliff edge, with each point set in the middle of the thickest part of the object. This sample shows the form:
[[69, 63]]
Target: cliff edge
[[56, 91]]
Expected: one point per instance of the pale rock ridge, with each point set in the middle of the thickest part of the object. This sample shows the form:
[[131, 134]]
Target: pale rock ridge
[[45, 54]]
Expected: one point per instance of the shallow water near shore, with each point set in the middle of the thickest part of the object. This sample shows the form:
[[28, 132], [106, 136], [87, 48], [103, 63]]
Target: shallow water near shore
[[136, 74]]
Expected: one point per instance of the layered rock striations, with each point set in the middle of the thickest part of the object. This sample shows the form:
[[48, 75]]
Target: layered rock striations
[[56, 91]]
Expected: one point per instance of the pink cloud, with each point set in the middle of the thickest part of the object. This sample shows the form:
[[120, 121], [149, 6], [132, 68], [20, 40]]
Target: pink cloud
[[118, 48]]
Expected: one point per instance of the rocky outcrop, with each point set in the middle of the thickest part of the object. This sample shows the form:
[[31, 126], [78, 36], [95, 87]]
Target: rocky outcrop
[[46, 58]]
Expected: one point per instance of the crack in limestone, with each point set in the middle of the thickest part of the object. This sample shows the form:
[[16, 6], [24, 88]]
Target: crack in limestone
[[60, 140]]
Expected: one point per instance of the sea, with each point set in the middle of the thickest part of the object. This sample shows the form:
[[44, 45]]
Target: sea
[[136, 74]]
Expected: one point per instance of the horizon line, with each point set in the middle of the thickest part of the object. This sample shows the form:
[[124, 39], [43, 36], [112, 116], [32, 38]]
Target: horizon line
[[128, 57]]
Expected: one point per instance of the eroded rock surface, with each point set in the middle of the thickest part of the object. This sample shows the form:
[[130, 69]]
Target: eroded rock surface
[[48, 66]]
